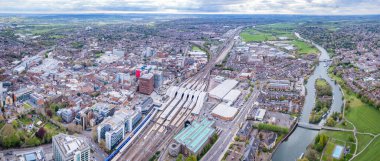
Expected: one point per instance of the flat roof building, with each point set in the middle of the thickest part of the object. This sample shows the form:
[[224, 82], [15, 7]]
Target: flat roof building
[[222, 89], [70, 148], [224, 112], [232, 96], [260, 113], [113, 129]]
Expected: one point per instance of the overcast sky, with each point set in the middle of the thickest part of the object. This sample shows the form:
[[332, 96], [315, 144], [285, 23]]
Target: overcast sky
[[319, 7]]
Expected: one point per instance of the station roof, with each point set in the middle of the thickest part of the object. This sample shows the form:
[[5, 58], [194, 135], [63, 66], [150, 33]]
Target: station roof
[[195, 135]]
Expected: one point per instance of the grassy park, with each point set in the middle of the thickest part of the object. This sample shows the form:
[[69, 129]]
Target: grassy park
[[304, 48], [365, 118]]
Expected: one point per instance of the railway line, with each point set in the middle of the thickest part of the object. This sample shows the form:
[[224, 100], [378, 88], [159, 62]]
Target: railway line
[[183, 100]]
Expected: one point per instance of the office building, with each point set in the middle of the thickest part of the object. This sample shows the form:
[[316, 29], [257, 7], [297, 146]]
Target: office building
[[158, 79], [146, 84], [112, 130], [70, 148], [36, 154]]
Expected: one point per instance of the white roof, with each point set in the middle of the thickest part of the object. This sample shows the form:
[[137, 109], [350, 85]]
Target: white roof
[[260, 114], [222, 89], [224, 110], [232, 95]]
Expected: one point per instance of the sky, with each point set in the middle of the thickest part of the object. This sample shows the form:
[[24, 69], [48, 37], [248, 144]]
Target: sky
[[308, 7]]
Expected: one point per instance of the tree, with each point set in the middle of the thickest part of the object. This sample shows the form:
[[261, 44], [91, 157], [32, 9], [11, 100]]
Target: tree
[[41, 133], [180, 157], [192, 158], [49, 112]]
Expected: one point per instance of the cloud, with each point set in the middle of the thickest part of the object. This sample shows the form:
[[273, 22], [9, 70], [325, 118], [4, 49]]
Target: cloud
[[194, 6]]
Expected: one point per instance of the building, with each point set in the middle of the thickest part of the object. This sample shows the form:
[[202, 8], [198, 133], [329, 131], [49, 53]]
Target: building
[[22, 94], [146, 84], [112, 130], [70, 148], [224, 112], [260, 114], [279, 85], [67, 115], [158, 79], [222, 89], [145, 106], [37, 99], [36, 154], [193, 138], [232, 96]]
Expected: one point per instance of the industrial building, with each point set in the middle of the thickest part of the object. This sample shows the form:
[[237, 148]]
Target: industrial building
[[146, 84], [194, 137], [222, 89], [113, 129], [70, 148], [224, 112], [232, 96]]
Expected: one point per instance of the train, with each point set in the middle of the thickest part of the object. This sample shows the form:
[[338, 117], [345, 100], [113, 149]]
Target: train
[[134, 132]]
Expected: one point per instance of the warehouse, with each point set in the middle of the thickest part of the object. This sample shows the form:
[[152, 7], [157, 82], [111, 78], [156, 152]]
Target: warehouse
[[222, 89], [232, 96], [224, 112]]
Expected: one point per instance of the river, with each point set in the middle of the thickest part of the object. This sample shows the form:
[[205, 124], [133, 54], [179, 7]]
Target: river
[[296, 144]]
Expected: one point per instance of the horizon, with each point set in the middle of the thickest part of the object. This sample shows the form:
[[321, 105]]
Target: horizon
[[253, 7]]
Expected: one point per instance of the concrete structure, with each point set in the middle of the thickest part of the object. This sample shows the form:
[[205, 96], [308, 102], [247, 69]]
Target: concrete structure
[[222, 89], [194, 137], [36, 154], [224, 112], [70, 148], [146, 84], [174, 149], [232, 96], [113, 129]]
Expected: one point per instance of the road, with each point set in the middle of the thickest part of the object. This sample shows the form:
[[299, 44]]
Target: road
[[221, 146]]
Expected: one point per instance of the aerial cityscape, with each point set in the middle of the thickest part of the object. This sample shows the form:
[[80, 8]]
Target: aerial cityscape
[[189, 80]]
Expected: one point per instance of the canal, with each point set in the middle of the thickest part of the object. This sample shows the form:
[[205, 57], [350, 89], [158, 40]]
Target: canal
[[296, 144]]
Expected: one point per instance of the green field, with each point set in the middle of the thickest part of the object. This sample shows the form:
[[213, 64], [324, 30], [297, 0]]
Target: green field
[[252, 35], [371, 153], [196, 48], [366, 119], [304, 48], [363, 141]]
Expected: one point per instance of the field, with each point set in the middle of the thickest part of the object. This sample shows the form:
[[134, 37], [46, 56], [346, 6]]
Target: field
[[371, 153], [196, 48], [366, 119], [304, 48], [252, 35]]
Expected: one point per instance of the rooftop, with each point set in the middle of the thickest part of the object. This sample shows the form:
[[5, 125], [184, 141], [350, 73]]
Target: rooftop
[[195, 135], [69, 144]]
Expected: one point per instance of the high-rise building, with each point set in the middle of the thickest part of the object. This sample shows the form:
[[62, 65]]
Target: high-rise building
[[158, 79], [113, 129], [146, 84], [70, 148]]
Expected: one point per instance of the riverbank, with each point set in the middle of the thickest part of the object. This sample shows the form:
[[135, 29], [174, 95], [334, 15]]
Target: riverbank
[[291, 149]]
